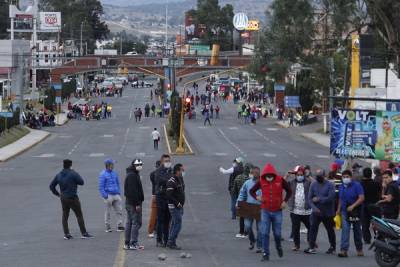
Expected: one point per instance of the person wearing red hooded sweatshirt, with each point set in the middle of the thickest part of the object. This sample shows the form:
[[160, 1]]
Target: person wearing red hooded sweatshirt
[[272, 202]]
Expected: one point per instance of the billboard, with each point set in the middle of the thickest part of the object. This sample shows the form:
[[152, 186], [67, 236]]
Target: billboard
[[50, 21], [253, 25], [240, 21], [365, 134]]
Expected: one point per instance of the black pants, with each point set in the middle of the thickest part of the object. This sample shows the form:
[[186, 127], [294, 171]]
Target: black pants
[[241, 226], [155, 144], [207, 119], [74, 204], [163, 219], [296, 223], [365, 224], [329, 225]]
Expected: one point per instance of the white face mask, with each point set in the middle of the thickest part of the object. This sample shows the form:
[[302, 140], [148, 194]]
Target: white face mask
[[167, 164], [251, 176], [139, 168], [183, 174], [346, 181], [269, 179], [300, 178]]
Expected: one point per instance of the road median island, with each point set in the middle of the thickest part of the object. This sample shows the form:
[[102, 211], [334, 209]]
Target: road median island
[[21, 144], [172, 145], [321, 139]]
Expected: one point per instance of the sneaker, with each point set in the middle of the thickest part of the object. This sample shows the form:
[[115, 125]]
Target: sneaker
[[251, 246], [174, 247], [303, 231], [342, 254], [331, 250], [108, 229], [280, 252], [161, 245], [68, 237], [295, 248], [151, 235], [136, 247], [126, 247], [265, 257], [290, 239], [259, 250], [360, 253], [86, 236], [310, 251], [120, 229], [240, 236]]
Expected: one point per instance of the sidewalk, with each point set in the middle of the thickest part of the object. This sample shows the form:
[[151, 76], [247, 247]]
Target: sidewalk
[[23, 144]]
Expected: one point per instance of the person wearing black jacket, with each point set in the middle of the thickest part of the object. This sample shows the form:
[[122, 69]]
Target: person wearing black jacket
[[134, 198], [176, 200], [68, 180], [372, 193], [162, 176], [153, 207]]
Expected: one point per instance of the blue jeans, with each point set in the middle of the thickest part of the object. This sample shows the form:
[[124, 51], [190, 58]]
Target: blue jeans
[[248, 228], [268, 218], [176, 224], [345, 240], [233, 207]]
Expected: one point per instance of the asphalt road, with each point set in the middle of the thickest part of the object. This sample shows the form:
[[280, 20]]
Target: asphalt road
[[31, 216]]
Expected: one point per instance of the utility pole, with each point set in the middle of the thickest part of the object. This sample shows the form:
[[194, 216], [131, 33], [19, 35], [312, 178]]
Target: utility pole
[[81, 46], [120, 43], [166, 28], [34, 48]]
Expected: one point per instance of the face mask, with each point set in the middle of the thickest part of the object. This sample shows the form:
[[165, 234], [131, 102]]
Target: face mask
[[320, 179], [167, 164], [139, 168], [307, 173], [300, 178], [183, 174], [251, 176], [269, 178], [234, 165], [346, 181]]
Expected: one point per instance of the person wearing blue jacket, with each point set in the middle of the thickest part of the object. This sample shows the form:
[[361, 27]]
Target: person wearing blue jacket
[[111, 193], [321, 197], [244, 195]]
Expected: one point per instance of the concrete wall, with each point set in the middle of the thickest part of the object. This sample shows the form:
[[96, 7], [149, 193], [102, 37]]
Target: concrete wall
[[9, 50]]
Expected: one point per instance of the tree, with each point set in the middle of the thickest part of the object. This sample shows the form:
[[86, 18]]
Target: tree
[[4, 18], [77, 14]]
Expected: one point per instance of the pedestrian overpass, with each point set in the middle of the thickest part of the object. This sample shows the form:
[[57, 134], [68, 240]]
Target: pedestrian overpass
[[151, 65]]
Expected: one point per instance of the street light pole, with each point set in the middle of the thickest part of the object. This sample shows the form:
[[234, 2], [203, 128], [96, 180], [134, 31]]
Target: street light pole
[[81, 45]]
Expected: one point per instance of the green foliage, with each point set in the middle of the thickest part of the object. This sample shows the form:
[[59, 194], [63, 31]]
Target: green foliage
[[4, 20], [76, 13], [218, 22]]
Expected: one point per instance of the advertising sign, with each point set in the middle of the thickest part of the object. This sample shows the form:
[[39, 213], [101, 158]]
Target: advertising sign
[[253, 25], [50, 21], [279, 87], [240, 21], [365, 134], [353, 133]]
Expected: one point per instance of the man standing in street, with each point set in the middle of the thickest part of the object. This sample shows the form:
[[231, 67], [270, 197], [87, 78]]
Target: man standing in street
[[134, 198], [68, 181], [372, 192], [153, 207], [391, 196], [245, 195], [156, 138], [176, 200], [111, 193], [235, 170], [272, 186], [162, 176], [322, 199], [351, 197], [299, 206]]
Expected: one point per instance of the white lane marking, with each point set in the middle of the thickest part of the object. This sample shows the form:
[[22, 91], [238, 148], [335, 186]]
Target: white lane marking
[[292, 154], [6, 169], [75, 147], [231, 143], [140, 154], [272, 142], [65, 136], [269, 155], [144, 127], [108, 136], [261, 135], [221, 154], [322, 156], [201, 127], [46, 155], [203, 193], [96, 155], [233, 128], [272, 129], [125, 142]]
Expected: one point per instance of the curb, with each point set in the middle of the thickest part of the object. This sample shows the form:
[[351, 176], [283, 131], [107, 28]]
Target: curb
[[188, 145], [166, 140], [281, 125], [25, 148], [174, 153], [304, 135]]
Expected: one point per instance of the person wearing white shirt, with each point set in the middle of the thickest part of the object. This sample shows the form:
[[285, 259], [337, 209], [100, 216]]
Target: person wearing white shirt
[[156, 138]]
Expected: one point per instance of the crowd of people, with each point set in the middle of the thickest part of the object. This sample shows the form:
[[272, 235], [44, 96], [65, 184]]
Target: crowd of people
[[343, 197], [89, 111], [168, 199]]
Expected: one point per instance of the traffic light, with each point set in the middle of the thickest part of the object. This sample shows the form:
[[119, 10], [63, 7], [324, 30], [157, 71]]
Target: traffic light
[[188, 104]]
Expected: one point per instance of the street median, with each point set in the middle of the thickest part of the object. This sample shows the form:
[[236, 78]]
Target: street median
[[172, 145], [23, 144]]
